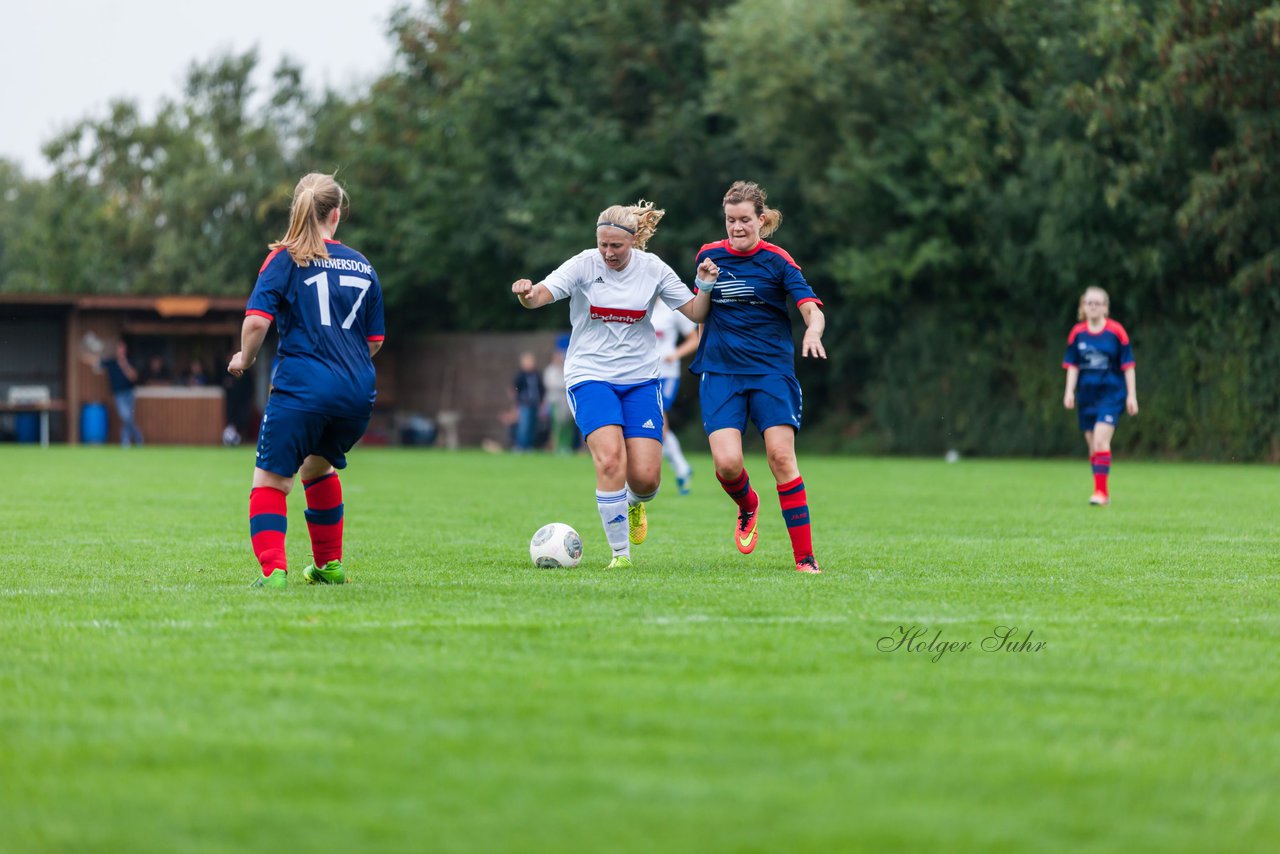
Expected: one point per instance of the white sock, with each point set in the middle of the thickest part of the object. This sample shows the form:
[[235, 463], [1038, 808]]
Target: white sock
[[613, 516], [634, 498], [671, 450]]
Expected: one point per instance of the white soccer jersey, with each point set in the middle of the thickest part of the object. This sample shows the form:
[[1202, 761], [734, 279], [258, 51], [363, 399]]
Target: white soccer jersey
[[669, 326], [613, 339]]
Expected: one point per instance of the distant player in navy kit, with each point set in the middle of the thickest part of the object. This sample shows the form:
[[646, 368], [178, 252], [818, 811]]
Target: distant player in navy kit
[[747, 362], [611, 367], [1101, 383], [327, 304]]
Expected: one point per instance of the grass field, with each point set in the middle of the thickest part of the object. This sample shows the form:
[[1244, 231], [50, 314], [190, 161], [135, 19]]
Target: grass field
[[454, 698]]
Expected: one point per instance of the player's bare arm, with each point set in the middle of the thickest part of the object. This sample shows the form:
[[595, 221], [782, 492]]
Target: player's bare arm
[[252, 334], [1069, 396], [687, 347], [1131, 390], [531, 295], [815, 324], [699, 307]]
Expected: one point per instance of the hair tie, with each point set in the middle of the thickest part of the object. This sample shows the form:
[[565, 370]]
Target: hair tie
[[615, 225]]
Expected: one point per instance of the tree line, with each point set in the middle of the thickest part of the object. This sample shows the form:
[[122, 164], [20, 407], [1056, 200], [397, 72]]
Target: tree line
[[953, 173]]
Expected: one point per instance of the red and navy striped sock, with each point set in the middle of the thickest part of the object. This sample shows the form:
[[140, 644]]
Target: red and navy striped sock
[[324, 517], [739, 489], [1101, 469], [795, 512], [268, 520]]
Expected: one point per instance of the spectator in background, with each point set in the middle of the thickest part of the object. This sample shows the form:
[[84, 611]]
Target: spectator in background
[[195, 374], [158, 372], [123, 377], [528, 393], [558, 415], [238, 402]]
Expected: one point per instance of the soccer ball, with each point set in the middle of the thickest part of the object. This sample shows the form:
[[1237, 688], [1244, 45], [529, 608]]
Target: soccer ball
[[555, 545]]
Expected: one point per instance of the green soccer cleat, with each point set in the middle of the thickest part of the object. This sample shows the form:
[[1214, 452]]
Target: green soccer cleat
[[277, 580], [637, 523], [330, 573], [620, 562]]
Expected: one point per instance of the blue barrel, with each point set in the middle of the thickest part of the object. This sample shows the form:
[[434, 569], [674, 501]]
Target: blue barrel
[[93, 423], [27, 426]]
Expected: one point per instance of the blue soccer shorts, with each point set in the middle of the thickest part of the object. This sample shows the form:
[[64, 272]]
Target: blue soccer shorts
[[768, 400], [289, 436], [670, 387], [636, 408]]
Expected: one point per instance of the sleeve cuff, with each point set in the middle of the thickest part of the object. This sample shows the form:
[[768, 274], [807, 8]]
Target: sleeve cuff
[[253, 312]]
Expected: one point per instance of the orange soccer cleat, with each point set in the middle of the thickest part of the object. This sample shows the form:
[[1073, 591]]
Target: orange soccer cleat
[[808, 564], [744, 532]]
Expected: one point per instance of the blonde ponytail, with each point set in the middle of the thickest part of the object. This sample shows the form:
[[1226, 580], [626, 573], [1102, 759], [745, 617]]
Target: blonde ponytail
[[314, 199], [640, 219]]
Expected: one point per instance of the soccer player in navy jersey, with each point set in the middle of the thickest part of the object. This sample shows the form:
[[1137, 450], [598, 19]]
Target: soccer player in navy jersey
[[1101, 382], [326, 302], [747, 362], [611, 367]]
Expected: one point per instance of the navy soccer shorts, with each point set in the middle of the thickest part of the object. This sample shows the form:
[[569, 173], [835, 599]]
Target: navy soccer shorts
[[768, 400], [289, 436], [1092, 410]]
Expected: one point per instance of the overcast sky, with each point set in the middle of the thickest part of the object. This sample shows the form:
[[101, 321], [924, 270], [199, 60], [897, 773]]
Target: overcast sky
[[66, 60]]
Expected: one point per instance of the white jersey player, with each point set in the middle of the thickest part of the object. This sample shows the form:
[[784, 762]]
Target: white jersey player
[[677, 338], [611, 368]]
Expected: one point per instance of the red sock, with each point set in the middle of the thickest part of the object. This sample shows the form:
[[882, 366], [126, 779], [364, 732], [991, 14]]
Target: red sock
[[739, 489], [1101, 469], [324, 517], [795, 512], [268, 520]]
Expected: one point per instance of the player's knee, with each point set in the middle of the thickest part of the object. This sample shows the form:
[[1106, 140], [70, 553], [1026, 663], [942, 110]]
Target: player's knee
[[728, 468], [644, 484], [610, 464], [783, 464]]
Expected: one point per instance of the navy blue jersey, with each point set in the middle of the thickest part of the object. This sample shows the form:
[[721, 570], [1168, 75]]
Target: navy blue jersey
[[326, 313], [748, 330], [119, 380], [1102, 358]]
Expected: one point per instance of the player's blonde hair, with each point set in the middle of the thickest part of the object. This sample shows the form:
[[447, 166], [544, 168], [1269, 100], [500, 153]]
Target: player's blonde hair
[[314, 199], [1106, 301], [640, 219], [749, 191]]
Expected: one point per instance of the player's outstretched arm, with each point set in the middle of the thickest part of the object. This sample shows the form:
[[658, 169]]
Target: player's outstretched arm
[[815, 324], [531, 295], [699, 307]]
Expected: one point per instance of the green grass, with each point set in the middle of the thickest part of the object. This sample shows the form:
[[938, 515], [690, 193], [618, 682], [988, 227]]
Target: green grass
[[454, 698]]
